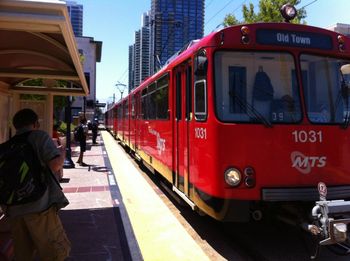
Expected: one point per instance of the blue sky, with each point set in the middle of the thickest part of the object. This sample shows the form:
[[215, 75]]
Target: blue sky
[[114, 22]]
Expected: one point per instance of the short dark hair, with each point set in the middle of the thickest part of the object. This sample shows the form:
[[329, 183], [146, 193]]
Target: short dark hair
[[83, 120], [24, 117]]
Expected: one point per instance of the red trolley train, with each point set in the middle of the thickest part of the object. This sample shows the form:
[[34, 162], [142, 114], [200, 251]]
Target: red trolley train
[[248, 120]]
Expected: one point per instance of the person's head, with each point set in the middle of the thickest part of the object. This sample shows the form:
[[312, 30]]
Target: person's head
[[83, 120], [25, 118]]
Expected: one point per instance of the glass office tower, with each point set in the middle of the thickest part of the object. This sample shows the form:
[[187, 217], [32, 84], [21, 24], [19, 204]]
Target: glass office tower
[[75, 12], [174, 23]]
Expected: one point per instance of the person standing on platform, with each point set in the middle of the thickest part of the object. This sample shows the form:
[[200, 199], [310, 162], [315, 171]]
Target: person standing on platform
[[82, 133], [94, 130], [36, 228]]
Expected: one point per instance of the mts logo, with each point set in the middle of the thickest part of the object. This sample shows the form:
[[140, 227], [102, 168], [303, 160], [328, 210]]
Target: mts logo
[[304, 164]]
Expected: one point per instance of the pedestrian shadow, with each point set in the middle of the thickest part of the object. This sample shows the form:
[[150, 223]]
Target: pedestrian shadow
[[96, 234], [100, 168], [64, 180]]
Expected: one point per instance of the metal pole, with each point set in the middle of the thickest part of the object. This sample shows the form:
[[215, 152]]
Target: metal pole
[[68, 163], [121, 88]]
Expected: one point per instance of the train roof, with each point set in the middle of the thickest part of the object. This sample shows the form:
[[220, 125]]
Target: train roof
[[223, 37]]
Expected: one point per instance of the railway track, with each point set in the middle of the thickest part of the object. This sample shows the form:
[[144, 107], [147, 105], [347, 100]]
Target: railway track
[[260, 241]]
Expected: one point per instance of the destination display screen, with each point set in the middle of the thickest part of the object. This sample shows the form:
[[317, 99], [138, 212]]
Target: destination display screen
[[296, 39]]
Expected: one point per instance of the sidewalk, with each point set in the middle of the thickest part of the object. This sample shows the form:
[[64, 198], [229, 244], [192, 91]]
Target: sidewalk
[[124, 220], [93, 219]]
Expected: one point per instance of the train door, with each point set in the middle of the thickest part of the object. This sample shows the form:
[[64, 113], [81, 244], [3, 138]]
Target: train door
[[137, 120], [124, 105], [132, 122], [182, 118]]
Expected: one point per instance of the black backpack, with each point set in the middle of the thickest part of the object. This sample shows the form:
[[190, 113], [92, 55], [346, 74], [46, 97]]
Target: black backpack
[[22, 178]]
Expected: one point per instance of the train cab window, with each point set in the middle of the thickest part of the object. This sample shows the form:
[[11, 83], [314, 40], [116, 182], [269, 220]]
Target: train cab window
[[326, 89], [200, 86], [256, 87], [200, 100], [201, 65]]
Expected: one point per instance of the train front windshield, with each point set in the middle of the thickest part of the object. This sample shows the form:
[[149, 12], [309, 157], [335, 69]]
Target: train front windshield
[[325, 89], [263, 87]]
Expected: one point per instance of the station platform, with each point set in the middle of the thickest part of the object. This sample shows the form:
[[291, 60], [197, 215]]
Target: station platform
[[114, 214]]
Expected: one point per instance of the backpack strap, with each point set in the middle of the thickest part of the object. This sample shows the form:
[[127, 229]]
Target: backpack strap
[[25, 136]]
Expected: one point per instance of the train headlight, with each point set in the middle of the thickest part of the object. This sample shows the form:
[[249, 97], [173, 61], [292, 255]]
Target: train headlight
[[341, 42], [289, 12], [233, 177], [245, 34]]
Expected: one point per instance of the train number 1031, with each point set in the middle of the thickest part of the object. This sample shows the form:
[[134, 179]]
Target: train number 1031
[[307, 136], [200, 133]]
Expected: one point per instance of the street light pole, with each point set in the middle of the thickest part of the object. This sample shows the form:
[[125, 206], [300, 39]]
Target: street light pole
[[121, 88]]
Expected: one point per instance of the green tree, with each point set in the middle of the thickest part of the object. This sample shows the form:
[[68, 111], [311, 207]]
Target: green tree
[[59, 102], [269, 11]]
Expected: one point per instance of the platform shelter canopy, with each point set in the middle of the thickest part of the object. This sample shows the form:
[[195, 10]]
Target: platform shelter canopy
[[37, 42]]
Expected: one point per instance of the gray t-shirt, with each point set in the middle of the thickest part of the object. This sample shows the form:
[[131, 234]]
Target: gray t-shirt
[[46, 151]]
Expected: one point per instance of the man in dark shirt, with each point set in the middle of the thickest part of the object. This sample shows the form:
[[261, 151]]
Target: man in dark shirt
[[82, 140], [94, 130]]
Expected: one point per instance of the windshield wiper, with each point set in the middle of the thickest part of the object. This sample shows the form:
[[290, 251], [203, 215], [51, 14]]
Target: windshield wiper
[[244, 104]]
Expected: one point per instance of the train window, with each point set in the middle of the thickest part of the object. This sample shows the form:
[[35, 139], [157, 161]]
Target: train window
[[188, 92], [257, 87], [327, 101], [201, 65], [161, 98], [144, 104], [154, 100], [126, 109], [178, 96], [151, 102], [200, 100], [133, 106]]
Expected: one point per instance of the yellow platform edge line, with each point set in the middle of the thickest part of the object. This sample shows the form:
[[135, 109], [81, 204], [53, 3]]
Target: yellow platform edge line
[[159, 234]]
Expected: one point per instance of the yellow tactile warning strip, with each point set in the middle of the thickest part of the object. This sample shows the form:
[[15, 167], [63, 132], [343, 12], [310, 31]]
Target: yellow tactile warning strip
[[159, 234]]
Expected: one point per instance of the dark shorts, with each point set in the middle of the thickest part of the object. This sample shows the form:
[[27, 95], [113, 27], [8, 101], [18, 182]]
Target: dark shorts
[[82, 145]]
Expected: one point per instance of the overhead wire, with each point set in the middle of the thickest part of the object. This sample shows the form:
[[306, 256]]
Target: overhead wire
[[211, 18], [209, 3], [312, 2]]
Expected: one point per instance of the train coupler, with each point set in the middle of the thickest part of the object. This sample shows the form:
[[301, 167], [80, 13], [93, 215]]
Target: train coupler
[[330, 229]]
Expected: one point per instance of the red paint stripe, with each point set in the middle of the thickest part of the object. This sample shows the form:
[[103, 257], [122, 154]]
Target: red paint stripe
[[70, 190], [85, 189], [98, 188]]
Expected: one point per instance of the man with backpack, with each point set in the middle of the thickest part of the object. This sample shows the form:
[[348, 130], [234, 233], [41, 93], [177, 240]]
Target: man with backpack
[[32, 202], [81, 133]]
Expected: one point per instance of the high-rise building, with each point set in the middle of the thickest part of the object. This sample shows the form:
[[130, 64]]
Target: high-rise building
[[174, 23], [75, 12], [166, 29], [139, 67], [145, 47], [137, 58], [131, 67]]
